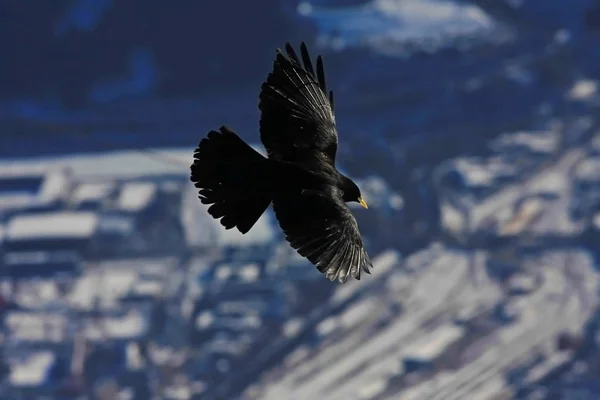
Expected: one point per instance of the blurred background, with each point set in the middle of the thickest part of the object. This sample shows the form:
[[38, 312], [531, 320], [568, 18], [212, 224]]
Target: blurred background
[[470, 125]]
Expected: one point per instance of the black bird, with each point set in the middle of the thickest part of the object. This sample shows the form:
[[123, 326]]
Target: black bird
[[297, 128]]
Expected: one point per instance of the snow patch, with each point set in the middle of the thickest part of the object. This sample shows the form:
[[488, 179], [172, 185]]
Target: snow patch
[[135, 196], [33, 371], [384, 24], [583, 89], [53, 225]]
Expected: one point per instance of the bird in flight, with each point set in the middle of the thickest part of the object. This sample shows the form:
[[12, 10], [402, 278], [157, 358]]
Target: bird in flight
[[298, 176]]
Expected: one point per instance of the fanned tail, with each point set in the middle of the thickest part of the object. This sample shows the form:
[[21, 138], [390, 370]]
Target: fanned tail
[[226, 170]]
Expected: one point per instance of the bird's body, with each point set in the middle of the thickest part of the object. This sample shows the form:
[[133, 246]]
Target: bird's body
[[298, 177]]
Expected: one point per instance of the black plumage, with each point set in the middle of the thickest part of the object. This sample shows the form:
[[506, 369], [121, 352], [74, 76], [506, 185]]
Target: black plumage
[[309, 195]]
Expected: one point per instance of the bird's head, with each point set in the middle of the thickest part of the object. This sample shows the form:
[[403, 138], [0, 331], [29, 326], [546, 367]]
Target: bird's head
[[352, 192]]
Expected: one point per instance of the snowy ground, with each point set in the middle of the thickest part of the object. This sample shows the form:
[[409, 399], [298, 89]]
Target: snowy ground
[[392, 27], [434, 287], [436, 308]]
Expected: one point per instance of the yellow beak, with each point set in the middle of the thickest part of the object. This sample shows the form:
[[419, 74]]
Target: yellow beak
[[363, 202]]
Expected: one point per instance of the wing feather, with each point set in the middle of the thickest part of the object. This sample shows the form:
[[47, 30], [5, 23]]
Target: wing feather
[[306, 60], [321, 74], [321, 228], [297, 122]]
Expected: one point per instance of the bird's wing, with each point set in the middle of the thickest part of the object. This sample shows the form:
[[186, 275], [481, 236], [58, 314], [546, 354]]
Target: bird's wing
[[297, 120], [321, 228]]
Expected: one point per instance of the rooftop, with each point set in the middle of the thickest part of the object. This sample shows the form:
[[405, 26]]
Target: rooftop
[[31, 371], [62, 224], [92, 191], [135, 196]]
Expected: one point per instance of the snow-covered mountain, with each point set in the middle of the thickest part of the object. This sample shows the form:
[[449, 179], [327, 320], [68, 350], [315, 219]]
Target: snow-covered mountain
[[470, 126]]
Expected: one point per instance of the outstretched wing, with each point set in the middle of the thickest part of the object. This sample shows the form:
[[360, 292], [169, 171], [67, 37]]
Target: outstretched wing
[[297, 121], [321, 228]]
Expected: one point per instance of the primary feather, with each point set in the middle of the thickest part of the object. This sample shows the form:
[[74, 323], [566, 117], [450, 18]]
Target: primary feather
[[297, 122]]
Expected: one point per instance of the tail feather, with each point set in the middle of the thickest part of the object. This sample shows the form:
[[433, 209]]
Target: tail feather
[[228, 171]]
